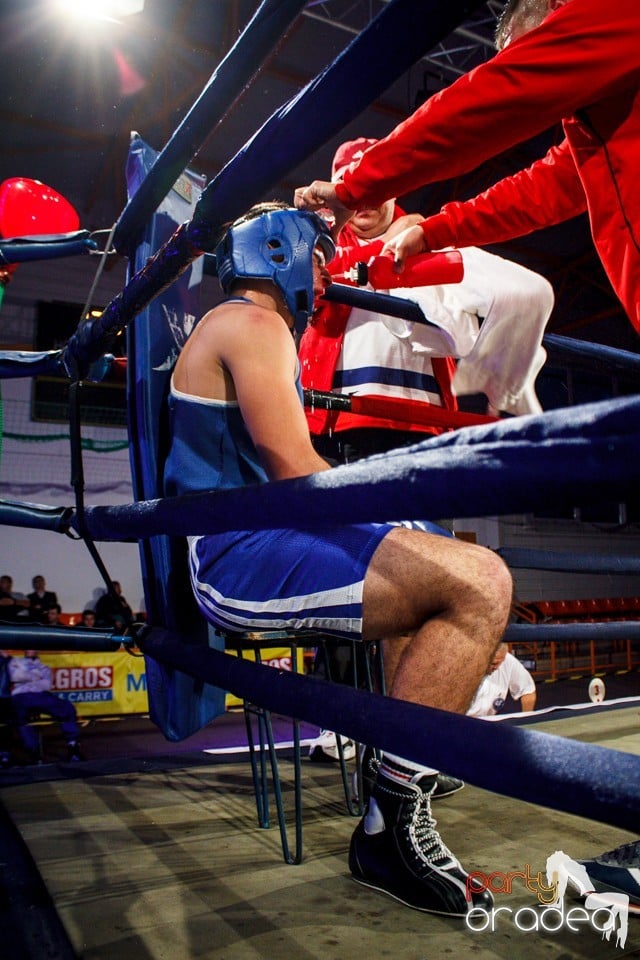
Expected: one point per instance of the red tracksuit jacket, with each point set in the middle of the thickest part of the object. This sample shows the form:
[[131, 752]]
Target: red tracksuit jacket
[[581, 66]]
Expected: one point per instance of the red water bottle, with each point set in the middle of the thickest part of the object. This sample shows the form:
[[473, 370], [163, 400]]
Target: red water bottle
[[423, 270]]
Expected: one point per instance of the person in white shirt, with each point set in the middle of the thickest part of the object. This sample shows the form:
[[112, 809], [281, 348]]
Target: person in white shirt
[[505, 675]]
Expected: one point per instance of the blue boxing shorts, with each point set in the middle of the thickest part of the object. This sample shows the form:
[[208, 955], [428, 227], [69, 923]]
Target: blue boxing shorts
[[285, 579]]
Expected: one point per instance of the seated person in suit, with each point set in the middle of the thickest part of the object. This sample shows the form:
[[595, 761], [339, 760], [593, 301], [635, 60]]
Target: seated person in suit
[[40, 598]]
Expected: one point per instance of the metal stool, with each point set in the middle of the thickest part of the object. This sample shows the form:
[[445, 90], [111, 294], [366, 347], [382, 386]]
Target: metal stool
[[260, 740]]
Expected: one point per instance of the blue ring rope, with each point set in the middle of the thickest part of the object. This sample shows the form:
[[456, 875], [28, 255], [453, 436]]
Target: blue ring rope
[[502, 468], [578, 778], [23, 252], [521, 558], [611, 356], [391, 306], [599, 631]]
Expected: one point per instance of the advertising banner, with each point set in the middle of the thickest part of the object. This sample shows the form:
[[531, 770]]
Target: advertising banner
[[99, 684], [111, 684]]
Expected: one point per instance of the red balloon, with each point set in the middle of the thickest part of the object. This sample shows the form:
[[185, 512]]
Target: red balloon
[[30, 208]]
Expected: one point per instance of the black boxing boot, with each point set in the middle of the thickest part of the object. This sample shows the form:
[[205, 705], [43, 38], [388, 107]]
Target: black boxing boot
[[397, 850]]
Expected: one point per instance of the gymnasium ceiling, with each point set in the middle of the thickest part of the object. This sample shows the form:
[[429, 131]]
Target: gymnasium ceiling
[[71, 97]]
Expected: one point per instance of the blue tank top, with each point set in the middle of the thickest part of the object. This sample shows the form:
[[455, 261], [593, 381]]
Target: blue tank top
[[210, 447]]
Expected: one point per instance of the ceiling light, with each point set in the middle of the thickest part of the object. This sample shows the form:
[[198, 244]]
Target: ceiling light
[[110, 10]]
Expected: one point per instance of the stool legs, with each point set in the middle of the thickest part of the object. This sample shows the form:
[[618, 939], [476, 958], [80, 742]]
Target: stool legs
[[258, 759], [262, 751]]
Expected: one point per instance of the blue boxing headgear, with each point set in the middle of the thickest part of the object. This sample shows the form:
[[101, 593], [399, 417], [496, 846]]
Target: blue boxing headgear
[[277, 245]]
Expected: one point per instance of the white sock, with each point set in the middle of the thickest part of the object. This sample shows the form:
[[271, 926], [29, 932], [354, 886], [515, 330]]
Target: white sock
[[373, 819], [401, 770]]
